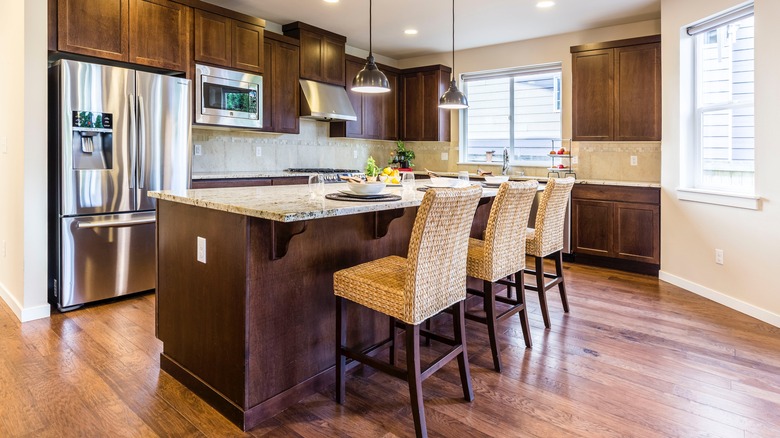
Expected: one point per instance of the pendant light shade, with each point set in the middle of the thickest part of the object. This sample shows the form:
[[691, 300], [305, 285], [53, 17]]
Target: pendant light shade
[[370, 79], [453, 98]]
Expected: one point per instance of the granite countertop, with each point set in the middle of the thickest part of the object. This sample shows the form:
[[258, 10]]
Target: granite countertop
[[544, 179], [288, 203]]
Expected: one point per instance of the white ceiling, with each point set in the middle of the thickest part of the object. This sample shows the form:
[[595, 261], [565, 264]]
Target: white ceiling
[[477, 23]]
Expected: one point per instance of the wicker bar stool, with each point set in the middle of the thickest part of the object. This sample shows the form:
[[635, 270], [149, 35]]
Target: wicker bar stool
[[546, 238], [500, 255], [410, 290]]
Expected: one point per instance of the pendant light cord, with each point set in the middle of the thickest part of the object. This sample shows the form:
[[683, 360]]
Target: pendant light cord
[[453, 40], [370, 26]]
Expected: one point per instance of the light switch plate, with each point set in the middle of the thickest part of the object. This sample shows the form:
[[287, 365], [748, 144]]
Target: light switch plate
[[574, 160], [258, 151], [354, 153], [3, 145], [445, 156], [198, 149]]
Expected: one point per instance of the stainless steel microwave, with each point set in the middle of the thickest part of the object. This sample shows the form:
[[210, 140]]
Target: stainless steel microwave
[[228, 98]]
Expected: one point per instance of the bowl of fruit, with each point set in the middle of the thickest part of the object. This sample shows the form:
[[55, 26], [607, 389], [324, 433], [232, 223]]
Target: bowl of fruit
[[390, 176]]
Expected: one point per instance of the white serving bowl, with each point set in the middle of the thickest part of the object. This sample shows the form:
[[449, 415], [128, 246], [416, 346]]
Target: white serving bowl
[[367, 188], [437, 181], [496, 179]]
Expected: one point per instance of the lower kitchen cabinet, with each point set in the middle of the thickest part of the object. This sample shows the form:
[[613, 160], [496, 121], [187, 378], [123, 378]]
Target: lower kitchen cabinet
[[221, 183], [617, 223]]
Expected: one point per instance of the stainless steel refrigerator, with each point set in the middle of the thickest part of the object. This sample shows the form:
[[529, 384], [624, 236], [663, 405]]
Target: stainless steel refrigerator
[[114, 134]]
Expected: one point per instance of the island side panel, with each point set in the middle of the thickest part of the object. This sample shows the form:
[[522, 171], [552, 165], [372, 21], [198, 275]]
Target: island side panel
[[292, 318], [201, 307]]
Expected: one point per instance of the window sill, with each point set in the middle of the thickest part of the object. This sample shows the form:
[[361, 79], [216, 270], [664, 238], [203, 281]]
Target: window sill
[[749, 202], [498, 164]]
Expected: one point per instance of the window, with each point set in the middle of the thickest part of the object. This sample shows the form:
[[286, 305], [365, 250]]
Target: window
[[722, 158], [518, 109]]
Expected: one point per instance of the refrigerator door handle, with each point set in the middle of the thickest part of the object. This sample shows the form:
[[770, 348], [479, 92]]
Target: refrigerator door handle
[[133, 136], [116, 223], [142, 142]]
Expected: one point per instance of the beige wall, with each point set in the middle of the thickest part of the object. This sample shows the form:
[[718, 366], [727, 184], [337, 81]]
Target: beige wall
[[608, 162], [690, 232], [23, 167]]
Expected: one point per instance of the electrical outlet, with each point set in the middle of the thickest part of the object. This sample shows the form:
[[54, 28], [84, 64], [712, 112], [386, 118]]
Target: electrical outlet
[[258, 151], [354, 153], [445, 156], [202, 250], [633, 160], [198, 150], [574, 160], [719, 256]]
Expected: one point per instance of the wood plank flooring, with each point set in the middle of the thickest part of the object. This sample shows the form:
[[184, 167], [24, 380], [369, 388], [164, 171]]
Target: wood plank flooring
[[635, 357]]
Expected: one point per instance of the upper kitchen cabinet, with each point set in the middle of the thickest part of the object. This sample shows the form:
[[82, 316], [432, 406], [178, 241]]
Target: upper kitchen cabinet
[[228, 42], [616, 93], [280, 84], [377, 113], [322, 56], [421, 117], [148, 32]]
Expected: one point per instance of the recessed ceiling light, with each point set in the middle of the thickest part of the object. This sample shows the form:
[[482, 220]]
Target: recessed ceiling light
[[545, 4], [331, 1], [410, 31]]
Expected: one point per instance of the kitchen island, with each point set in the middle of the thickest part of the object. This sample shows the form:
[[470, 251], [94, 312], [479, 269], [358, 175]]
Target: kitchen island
[[252, 330]]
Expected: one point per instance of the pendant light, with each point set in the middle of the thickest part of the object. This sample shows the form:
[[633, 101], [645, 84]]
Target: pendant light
[[453, 98], [370, 79]]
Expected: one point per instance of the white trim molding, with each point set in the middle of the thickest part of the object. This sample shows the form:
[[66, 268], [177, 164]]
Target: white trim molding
[[24, 314], [721, 298], [750, 202]]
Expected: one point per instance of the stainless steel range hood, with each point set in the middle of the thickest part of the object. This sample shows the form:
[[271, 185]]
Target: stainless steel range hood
[[325, 102]]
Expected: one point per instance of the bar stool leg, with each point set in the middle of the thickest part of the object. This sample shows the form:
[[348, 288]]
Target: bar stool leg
[[540, 288], [520, 285], [490, 319], [393, 344], [459, 326], [561, 285], [341, 339], [414, 378]]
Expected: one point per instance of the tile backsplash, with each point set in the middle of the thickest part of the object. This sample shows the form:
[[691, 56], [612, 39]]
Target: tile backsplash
[[236, 151]]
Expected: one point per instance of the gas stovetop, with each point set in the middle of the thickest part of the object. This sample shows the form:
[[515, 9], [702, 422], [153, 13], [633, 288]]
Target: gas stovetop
[[329, 174]]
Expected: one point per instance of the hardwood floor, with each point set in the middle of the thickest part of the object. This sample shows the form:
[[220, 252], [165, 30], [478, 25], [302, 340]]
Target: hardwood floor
[[635, 357]]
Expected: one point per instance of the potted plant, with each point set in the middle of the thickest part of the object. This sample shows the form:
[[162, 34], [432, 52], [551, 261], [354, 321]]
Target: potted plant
[[402, 157], [372, 170]]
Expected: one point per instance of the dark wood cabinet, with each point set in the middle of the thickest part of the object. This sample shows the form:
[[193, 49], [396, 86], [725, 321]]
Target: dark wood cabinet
[[280, 84], [226, 42], [160, 34], [220, 183], [616, 90], [421, 117], [377, 114], [148, 32], [94, 28], [617, 222], [322, 56]]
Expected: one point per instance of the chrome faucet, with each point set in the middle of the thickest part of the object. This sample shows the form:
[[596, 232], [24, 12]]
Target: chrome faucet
[[505, 167]]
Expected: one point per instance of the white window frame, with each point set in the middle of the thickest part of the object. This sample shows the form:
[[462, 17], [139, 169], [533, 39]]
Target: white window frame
[[553, 67], [694, 189]]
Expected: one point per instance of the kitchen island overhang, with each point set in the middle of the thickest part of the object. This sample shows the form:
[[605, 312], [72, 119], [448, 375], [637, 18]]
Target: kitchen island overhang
[[252, 330]]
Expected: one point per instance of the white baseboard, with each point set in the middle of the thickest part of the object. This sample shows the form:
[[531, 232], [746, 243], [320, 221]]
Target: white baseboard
[[24, 314], [721, 298]]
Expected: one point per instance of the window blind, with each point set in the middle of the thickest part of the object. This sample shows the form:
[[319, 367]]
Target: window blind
[[727, 17], [553, 67]]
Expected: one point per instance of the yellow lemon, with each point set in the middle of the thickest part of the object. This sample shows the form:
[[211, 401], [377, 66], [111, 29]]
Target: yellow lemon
[[394, 180], [387, 170], [395, 172]]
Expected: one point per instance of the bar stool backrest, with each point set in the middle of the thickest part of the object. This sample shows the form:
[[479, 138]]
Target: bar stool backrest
[[504, 238], [436, 262], [548, 234]]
